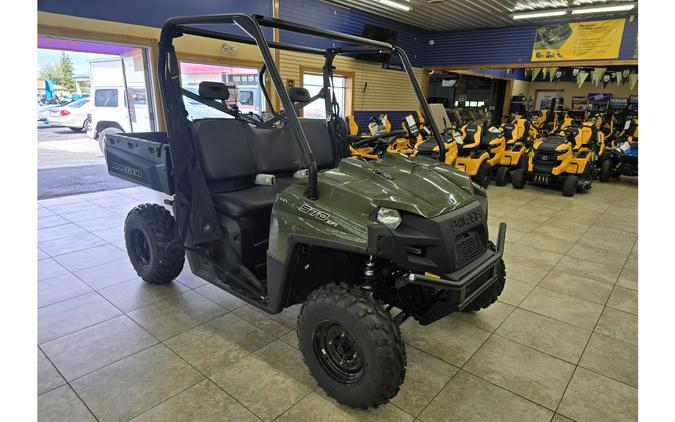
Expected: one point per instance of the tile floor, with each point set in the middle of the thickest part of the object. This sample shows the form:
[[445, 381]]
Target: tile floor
[[560, 344]]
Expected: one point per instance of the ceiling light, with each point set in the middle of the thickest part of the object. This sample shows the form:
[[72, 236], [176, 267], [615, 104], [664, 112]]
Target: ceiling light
[[604, 9], [396, 5], [544, 14]]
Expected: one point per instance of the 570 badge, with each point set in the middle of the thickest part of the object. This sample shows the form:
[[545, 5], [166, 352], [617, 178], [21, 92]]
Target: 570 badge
[[309, 210]]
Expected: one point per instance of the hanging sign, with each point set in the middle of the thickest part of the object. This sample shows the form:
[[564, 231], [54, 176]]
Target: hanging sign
[[632, 80], [581, 77], [578, 41], [535, 73], [597, 74], [551, 73], [599, 97]]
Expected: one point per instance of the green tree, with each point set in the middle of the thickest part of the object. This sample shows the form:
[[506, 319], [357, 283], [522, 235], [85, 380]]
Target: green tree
[[67, 71], [50, 71]]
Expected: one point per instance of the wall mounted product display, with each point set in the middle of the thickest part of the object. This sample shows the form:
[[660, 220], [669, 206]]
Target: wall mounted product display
[[413, 236], [578, 41]]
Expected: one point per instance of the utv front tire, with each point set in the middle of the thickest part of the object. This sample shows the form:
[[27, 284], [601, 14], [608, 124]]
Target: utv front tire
[[148, 229], [351, 345], [500, 178], [490, 295], [518, 179]]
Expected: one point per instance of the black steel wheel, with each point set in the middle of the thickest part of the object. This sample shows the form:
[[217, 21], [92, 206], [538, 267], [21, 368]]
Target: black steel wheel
[[338, 352], [351, 345], [141, 246]]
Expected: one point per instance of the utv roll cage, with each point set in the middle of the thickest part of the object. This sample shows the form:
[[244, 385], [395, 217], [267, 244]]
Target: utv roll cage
[[172, 92]]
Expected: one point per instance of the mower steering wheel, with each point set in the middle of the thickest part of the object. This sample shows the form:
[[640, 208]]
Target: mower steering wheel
[[379, 143]]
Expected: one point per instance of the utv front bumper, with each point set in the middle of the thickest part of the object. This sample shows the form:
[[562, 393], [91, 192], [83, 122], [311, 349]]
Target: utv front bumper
[[461, 287]]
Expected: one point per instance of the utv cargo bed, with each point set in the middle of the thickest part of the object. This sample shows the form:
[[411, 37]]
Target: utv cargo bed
[[142, 158]]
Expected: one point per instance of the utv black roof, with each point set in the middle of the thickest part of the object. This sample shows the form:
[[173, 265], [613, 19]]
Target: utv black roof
[[187, 174]]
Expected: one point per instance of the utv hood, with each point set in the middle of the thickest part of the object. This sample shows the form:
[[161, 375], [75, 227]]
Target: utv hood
[[417, 185]]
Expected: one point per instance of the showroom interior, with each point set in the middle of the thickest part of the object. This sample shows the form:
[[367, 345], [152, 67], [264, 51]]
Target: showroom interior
[[444, 227]]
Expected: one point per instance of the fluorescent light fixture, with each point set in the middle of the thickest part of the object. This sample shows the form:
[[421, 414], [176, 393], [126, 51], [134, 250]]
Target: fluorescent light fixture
[[542, 14], [396, 5], [604, 9]]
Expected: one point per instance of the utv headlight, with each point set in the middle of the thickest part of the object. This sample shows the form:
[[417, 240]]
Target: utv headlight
[[389, 217]]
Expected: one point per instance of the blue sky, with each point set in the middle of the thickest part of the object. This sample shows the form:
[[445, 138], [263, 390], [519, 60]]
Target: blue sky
[[80, 60]]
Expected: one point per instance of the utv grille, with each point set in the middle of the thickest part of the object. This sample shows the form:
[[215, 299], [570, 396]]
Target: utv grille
[[467, 248]]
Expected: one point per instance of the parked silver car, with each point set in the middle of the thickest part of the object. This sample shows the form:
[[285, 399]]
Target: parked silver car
[[74, 115]]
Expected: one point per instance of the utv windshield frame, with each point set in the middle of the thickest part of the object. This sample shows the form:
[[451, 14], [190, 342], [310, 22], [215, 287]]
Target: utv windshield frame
[[169, 78]]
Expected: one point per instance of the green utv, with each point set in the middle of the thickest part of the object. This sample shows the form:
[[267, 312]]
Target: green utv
[[351, 239]]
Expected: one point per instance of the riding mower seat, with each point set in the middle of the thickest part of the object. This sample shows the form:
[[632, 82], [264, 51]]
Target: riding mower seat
[[353, 126]]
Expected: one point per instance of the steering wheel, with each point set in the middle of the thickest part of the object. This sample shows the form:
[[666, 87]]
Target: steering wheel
[[379, 142]]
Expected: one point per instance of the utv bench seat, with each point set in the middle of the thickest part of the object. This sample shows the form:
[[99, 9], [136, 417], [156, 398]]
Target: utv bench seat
[[232, 152], [253, 200]]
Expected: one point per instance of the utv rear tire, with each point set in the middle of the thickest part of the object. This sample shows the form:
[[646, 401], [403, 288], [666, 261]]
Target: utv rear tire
[[605, 170], [489, 296], [518, 179], [351, 345], [483, 175], [500, 178], [148, 229], [570, 185]]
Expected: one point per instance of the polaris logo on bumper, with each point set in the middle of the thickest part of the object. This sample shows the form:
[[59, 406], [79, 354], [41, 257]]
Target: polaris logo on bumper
[[465, 220]]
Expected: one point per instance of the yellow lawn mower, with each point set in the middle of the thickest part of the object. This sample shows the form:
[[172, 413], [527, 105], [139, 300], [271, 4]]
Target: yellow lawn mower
[[519, 134], [467, 148], [566, 160], [381, 140]]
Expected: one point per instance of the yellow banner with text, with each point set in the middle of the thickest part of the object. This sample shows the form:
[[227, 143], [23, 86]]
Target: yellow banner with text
[[578, 41]]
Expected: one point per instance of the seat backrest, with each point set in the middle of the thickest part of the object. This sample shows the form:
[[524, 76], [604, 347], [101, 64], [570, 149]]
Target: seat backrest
[[224, 152], [472, 134], [320, 141], [352, 125], [232, 152]]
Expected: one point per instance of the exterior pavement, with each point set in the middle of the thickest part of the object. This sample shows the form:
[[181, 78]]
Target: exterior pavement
[[70, 163], [559, 345]]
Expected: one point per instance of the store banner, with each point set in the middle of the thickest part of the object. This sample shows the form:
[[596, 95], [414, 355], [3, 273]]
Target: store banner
[[581, 78], [578, 41], [619, 78]]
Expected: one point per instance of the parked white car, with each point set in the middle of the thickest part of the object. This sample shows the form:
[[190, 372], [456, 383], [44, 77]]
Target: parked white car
[[74, 116]]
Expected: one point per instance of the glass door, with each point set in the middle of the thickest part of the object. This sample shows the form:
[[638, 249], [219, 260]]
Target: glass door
[[136, 80]]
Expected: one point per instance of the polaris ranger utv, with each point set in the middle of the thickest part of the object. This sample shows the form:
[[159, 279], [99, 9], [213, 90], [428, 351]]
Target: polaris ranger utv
[[273, 210]]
